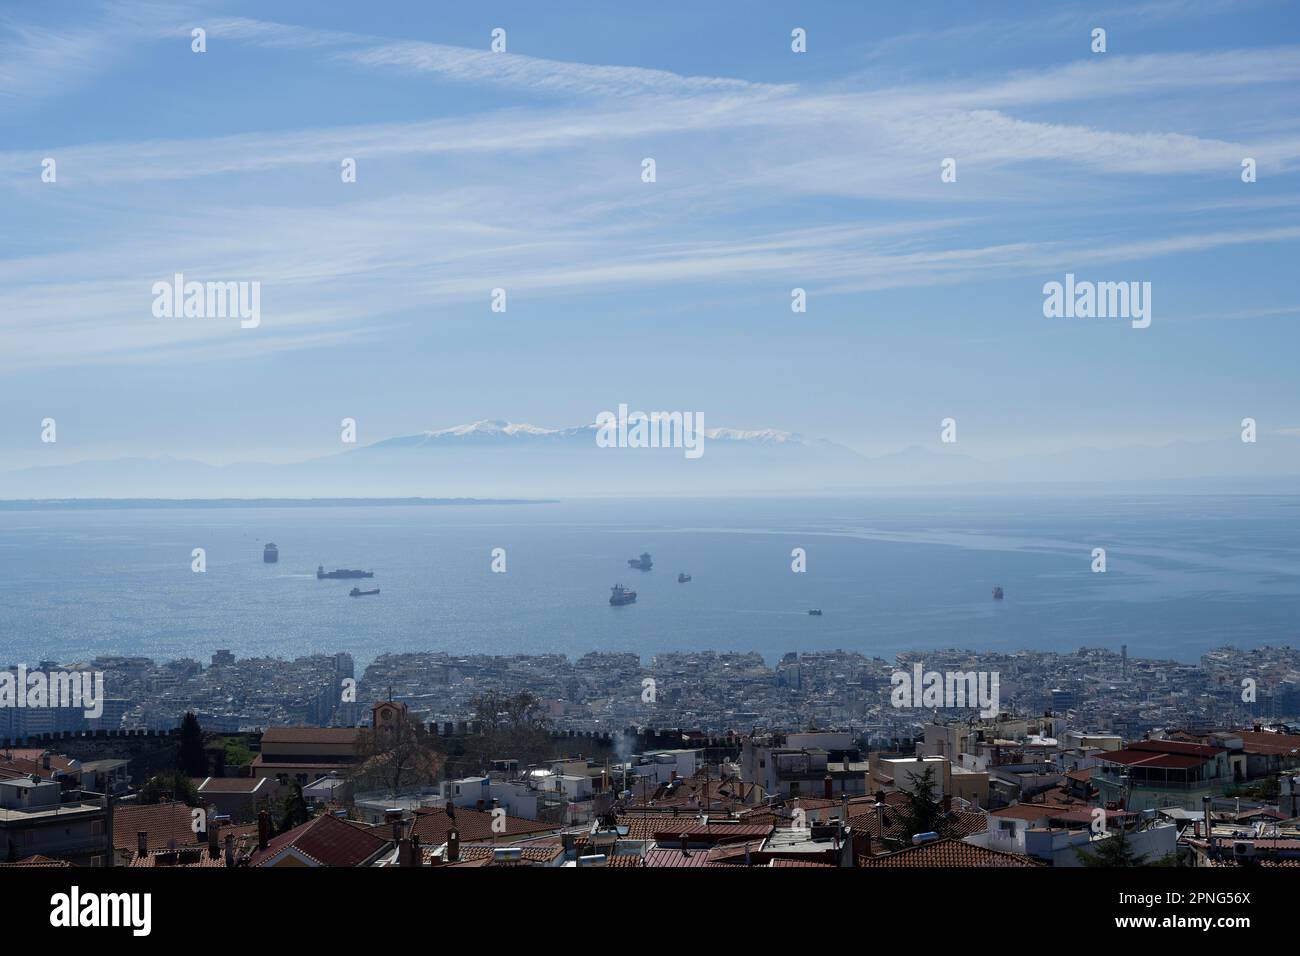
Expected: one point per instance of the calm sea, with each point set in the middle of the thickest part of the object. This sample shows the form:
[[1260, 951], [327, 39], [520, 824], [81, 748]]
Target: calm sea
[[1184, 574]]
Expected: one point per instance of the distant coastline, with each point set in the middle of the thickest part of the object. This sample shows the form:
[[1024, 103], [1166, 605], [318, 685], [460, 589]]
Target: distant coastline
[[54, 504]]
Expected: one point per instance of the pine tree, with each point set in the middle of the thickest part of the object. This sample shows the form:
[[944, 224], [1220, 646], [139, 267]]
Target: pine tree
[[921, 813], [192, 759], [1112, 851], [293, 811]]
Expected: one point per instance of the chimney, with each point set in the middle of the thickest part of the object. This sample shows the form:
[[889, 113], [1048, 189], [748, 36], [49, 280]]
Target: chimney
[[827, 785], [685, 845], [848, 848], [453, 846], [142, 842], [45, 761], [263, 829], [417, 858], [214, 830], [405, 856], [947, 803], [1209, 826], [230, 849]]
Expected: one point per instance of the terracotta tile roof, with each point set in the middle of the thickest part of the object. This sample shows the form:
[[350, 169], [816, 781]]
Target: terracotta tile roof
[[325, 840], [1145, 758], [642, 826], [1177, 747], [1164, 754], [1029, 811], [431, 825], [1270, 812], [38, 860], [960, 822], [535, 854], [782, 861], [235, 784], [676, 858], [689, 793], [711, 832], [309, 735], [295, 763], [192, 858], [1264, 742], [946, 853], [25, 766], [163, 822]]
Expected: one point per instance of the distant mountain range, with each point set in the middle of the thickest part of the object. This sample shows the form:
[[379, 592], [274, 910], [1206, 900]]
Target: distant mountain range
[[512, 460]]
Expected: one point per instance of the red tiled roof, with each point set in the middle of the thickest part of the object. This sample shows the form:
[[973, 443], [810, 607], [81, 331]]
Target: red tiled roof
[[1029, 811], [676, 858], [1264, 742], [193, 858], [642, 826], [235, 784], [38, 860], [960, 822], [534, 854], [431, 825], [1176, 747], [947, 853], [325, 840], [1132, 757], [164, 823], [309, 735], [711, 832], [782, 861]]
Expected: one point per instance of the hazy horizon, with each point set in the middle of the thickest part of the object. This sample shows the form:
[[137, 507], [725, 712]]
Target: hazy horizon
[[523, 171]]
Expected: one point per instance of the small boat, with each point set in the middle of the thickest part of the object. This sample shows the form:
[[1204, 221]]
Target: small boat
[[270, 554], [619, 595], [683, 578], [815, 611], [357, 592], [642, 563], [322, 574], [997, 593]]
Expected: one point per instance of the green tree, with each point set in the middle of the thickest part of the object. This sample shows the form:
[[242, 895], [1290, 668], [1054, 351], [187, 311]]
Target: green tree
[[293, 809], [191, 759], [1116, 850], [920, 812], [237, 751], [173, 785]]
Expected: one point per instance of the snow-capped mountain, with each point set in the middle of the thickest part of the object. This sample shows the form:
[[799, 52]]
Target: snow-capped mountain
[[498, 431]]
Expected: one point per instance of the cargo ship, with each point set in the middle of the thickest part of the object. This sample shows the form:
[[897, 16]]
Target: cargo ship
[[619, 595], [815, 611], [997, 593], [322, 574], [357, 592], [642, 563], [683, 578], [270, 554]]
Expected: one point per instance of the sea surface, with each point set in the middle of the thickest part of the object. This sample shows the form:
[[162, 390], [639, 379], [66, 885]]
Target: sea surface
[[1184, 574]]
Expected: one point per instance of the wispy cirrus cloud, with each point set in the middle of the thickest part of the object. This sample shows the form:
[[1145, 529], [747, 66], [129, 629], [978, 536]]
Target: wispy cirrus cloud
[[483, 67]]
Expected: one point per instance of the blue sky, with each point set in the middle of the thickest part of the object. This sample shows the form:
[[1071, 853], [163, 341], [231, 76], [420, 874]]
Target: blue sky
[[522, 170]]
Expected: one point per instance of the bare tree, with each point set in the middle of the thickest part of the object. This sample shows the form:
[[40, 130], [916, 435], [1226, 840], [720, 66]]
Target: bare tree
[[392, 758]]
